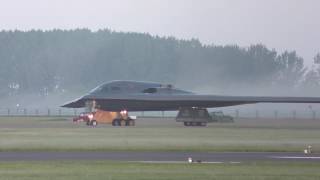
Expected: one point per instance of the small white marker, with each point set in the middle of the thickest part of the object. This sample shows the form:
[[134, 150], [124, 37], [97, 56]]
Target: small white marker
[[310, 149]]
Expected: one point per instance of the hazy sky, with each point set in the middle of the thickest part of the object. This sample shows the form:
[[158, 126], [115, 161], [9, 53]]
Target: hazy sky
[[279, 24]]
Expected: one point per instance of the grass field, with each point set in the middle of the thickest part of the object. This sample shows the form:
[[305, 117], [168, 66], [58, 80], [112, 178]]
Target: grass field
[[150, 134], [59, 134], [120, 170]]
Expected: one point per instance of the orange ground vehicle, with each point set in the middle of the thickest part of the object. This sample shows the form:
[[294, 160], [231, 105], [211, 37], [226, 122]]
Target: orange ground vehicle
[[107, 117]]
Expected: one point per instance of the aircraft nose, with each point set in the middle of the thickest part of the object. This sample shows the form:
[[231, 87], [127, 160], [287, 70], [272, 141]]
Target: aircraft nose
[[78, 103]]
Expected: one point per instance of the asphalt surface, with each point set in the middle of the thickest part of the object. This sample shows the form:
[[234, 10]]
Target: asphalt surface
[[219, 157]]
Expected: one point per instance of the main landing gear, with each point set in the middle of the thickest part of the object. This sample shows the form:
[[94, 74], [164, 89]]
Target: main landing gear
[[195, 123]]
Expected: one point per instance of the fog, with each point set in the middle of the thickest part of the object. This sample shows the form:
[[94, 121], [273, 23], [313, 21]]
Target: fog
[[280, 24], [54, 51]]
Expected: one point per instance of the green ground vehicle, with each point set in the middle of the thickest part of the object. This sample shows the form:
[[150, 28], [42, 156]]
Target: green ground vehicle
[[200, 117], [218, 116]]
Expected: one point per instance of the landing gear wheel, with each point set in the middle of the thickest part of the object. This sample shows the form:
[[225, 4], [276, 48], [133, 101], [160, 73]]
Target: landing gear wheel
[[132, 122]]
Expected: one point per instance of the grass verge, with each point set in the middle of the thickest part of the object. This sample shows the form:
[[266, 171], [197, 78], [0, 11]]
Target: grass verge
[[121, 170], [48, 134]]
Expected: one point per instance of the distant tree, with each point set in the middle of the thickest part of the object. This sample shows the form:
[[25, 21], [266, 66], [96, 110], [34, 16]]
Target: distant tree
[[311, 80], [76, 60], [312, 77], [291, 70], [316, 58], [264, 64]]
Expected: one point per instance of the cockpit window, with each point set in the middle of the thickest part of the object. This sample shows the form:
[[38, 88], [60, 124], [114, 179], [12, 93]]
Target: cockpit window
[[150, 90], [115, 88]]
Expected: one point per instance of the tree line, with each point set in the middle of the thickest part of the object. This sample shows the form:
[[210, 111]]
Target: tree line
[[45, 62]]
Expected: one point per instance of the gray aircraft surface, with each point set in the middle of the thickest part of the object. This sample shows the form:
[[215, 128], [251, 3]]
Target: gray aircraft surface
[[118, 96]]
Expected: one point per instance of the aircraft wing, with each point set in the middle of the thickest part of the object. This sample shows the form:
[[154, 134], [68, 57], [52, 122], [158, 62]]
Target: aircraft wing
[[151, 102]]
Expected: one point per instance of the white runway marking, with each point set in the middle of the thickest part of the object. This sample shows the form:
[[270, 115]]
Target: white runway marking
[[185, 162], [296, 157], [169, 162], [232, 162]]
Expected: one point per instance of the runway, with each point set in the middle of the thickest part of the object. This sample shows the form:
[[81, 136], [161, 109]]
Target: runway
[[158, 157]]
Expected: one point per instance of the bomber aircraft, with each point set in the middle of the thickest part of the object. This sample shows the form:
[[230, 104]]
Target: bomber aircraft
[[124, 96]]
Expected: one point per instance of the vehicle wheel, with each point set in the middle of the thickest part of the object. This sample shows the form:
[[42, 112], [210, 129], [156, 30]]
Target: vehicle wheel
[[94, 123], [132, 122], [116, 122], [186, 123], [122, 122], [127, 122]]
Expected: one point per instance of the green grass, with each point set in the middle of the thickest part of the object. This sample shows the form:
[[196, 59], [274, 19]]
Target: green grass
[[121, 170], [57, 134]]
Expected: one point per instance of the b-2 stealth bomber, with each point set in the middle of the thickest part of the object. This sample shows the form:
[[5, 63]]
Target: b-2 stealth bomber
[[124, 96]]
